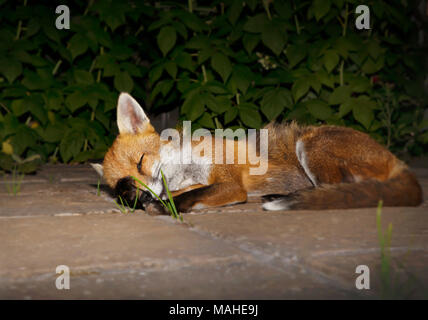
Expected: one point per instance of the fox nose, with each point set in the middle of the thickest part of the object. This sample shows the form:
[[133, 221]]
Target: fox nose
[[145, 197]]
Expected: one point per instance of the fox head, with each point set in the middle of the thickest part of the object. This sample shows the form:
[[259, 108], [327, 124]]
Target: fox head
[[135, 152]]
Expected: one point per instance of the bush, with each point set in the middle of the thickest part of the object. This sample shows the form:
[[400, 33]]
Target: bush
[[224, 63]]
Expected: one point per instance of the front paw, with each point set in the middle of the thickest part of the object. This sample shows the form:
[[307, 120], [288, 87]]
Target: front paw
[[155, 208]]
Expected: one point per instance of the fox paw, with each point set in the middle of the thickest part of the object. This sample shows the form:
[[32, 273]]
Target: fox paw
[[154, 208]]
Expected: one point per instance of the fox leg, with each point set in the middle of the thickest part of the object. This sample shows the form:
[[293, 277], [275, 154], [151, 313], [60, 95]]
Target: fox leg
[[189, 188], [217, 194]]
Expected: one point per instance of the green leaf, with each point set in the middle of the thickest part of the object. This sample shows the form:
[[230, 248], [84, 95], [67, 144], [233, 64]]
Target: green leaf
[[192, 21], [295, 54], [241, 78], [206, 121], [121, 51], [363, 113], [314, 82], [371, 66], [374, 49], [166, 39], [325, 78], [162, 87], [319, 109], [321, 8], [71, 144], [274, 102], [300, 88], [197, 109], [111, 69], [33, 81], [114, 20], [256, 24], [77, 45], [235, 11], [230, 115], [340, 95], [36, 106], [52, 32], [222, 65], [155, 73], [53, 133], [54, 99], [346, 107], [198, 42], [123, 82], [184, 60], [171, 68], [360, 84], [218, 105], [193, 107], [75, 100], [23, 139], [250, 41], [331, 59], [180, 28], [83, 77], [19, 107], [249, 115], [274, 38], [10, 68]]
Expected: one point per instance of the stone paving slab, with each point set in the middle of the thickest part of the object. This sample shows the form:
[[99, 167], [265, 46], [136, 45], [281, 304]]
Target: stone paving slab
[[408, 276], [331, 243], [56, 199], [94, 241], [222, 253], [233, 280], [137, 256], [57, 190]]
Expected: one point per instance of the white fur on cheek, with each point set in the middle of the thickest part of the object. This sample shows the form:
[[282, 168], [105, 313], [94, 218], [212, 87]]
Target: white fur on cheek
[[157, 187], [180, 175]]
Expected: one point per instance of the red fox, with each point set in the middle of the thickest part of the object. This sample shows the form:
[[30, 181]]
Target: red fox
[[311, 167]]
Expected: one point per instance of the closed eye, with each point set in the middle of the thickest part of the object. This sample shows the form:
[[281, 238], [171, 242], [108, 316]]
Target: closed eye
[[139, 163]]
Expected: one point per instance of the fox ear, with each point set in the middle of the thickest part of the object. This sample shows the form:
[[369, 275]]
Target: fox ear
[[130, 116]]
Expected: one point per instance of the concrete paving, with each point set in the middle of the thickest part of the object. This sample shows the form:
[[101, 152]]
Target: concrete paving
[[236, 252]]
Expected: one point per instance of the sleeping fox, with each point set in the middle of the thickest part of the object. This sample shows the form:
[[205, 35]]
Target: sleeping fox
[[323, 167]]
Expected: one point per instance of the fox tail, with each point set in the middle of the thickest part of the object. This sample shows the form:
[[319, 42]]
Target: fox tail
[[401, 190]]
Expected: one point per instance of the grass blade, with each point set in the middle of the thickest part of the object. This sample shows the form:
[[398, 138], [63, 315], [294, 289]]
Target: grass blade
[[171, 200], [145, 186]]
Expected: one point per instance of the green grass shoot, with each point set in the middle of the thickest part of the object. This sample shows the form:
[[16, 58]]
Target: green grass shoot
[[393, 287], [98, 188], [384, 242], [125, 207], [169, 205], [13, 187]]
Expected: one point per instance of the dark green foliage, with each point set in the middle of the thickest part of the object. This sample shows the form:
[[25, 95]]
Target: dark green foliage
[[226, 64]]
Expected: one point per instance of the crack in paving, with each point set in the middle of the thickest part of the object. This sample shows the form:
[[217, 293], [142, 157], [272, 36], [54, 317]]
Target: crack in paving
[[278, 263]]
